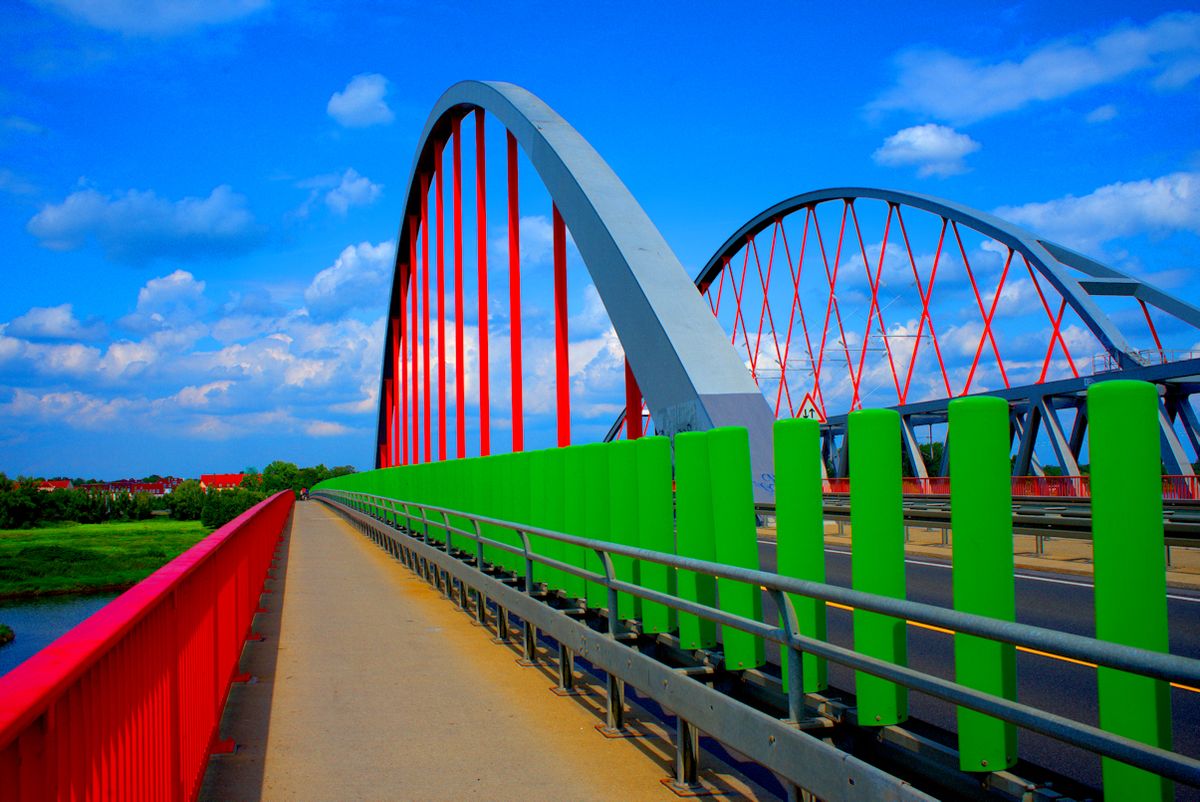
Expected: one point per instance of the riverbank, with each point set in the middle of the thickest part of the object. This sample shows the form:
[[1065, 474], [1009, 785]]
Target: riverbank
[[86, 558]]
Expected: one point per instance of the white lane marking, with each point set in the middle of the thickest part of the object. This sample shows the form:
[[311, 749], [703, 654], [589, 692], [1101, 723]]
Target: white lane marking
[[1192, 599]]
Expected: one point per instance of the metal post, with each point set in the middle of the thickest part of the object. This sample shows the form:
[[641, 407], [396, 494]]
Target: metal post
[[562, 374], [795, 661], [529, 644], [485, 447], [687, 756], [514, 298], [501, 625], [566, 671], [615, 718]]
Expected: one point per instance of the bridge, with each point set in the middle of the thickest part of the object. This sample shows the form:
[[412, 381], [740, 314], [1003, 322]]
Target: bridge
[[675, 579]]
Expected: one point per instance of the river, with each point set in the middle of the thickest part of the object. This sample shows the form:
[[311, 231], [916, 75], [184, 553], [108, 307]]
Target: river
[[38, 622]]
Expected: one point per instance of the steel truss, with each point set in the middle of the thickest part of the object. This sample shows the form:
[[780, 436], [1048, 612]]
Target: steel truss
[[1048, 410]]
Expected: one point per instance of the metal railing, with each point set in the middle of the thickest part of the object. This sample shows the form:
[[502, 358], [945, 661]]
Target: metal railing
[[430, 530], [127, 704], [1174, 488]]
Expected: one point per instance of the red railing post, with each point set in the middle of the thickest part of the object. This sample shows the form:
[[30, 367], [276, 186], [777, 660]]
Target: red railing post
[[485, 437], [562, 368], [633, 405], [441, 298], [460, 389], [425, 312], [514, 298]]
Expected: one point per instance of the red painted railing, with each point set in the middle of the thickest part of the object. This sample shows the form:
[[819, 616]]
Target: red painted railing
[[1175, 488], [127, 704]]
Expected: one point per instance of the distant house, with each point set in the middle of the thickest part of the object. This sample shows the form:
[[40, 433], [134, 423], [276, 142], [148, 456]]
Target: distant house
[[220, 481], [50, 485], [130, 486]]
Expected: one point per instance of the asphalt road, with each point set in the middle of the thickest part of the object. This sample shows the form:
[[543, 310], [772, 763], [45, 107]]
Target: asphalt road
[[1053, 601]]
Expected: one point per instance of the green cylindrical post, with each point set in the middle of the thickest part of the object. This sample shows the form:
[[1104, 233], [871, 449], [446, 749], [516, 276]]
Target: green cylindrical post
[[538, 488], [800, 531], [1130, 571], [877, 557], [656, 527], [574, 517], [623, 518], [596, 507], [485, 491], [737, 539], [695, 536], [552, 495], [981, 519]]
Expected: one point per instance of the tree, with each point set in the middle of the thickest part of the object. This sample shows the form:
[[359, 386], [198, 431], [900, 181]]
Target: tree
[[280, 475], [187, 501], [342, 470]]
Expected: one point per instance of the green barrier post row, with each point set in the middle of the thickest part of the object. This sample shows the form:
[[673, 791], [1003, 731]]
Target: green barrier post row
[[574, 517], [1130, 572], [732, 494], [695, 536], [596, 512], [981, 519], [800, 533], [656, 528], [877, 557], [623, 518]]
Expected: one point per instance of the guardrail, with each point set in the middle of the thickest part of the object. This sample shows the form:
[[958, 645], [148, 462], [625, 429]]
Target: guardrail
[[1174, 488], [127, 704], [420, 535]]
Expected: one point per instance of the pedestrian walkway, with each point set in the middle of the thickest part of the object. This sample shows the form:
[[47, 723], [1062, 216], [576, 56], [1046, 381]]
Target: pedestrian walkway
[[370, 685]]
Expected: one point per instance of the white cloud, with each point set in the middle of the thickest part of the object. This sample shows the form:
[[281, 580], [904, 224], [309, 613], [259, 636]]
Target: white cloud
[[352, 190], [138, 226], [1102, 114], [54, 323], [154, 17], [166, 302], [359, 277], [962, 90], [203, 395], [323, 428], [74, 409], [361, 103], [934, 149], [1156, 206], [537, 241]]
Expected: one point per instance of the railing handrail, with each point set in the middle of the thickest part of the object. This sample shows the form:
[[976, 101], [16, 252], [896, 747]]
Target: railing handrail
[[1159, 665], [1145, 662], [32, 686]]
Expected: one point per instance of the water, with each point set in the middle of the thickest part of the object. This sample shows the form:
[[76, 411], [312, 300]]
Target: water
[[41, 621]]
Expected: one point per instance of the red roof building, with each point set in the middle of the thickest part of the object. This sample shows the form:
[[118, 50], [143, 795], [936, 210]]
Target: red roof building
[[221, 481], [50, 485]]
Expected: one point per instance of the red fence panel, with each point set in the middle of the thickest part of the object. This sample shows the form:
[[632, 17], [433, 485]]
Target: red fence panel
[[126, 705]]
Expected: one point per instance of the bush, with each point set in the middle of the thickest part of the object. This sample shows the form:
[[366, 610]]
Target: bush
[[187, 501], [222, 506]]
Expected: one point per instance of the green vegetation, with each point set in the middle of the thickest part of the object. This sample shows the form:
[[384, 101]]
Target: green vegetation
[[22, 505], [6, 635], [84, 557]]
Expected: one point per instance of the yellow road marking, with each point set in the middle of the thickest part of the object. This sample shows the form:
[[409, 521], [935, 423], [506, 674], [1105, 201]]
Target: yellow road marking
[[1025, 649]]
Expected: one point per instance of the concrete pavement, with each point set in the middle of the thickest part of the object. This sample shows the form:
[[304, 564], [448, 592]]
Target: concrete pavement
[[370, 685]]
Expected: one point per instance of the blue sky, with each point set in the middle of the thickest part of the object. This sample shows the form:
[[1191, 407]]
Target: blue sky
[[198, 200]]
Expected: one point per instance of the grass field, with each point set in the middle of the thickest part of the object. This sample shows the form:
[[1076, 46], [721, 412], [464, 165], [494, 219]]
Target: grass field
[[85, 557]]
